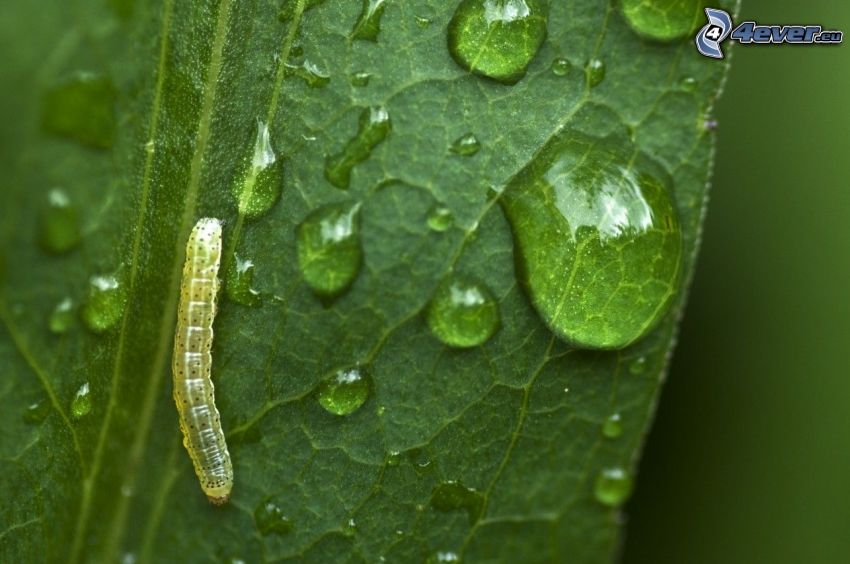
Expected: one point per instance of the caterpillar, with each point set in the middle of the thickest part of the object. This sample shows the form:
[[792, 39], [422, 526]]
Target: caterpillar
[[192, 363]]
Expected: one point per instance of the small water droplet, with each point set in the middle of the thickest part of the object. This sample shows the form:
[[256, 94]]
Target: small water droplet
[[287, 8], [37, 412], [59, 229], [443, 557], [463, 312], [150, 147], [260, 184], [329, 249], [710, 124], [393, 458], [368, 25], [81, 404], [420, 459], [344, 392], [452, 495], [380, 410], [663, 20], [561, 66], [310, 73], [374, 126], [349, 528], [638, 365], [595, 70], [422, 21], [359, 78], [497, 38], [613, 487], [128, 558], [466, 145], [270, 519], [82, 109], [105, 304], [440, 218], [239, 280], [613, 426], [61, 317], [688, 84]]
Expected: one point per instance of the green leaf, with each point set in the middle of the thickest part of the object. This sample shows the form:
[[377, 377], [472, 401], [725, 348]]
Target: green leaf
[[493, 451]]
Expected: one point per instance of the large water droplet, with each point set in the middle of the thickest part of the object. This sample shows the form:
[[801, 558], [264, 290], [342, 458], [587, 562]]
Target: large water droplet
[[270, 519], [466, 145], [260, 184], [452, 495], [344, 392], [61, 317], [239, 280], [595, 70], [598, 244], [463, 312], [37, 412], [440, 218], [613, 487], [374, 126], [59, 229], [497, 38], [81, 404], [311, 74], [359, 78], [82, 109], [561, 66], [443, 557], [663, 20], [368, 25], [105, 305], [329, 249], [613, 426]]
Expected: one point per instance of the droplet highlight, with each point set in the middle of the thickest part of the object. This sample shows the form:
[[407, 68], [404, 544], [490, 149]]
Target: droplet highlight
[[613, 487], [359, 79], [613, 426], [329, 248], [452, 495], [374, 126], [269, 519], [61, 317], [59, 223], [463, 312], [310, 73], [81, 109], [368, 25], [440, 218], [466, 145], [595, 71], [638, 366], [37, 412], [239, 282], [105, 304], [663, 20], [259, 186], [561, 67], [444, 557], [344, 392], [81, 404]]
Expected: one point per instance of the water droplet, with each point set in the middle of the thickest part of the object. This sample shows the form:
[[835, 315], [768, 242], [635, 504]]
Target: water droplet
[[287, 8], [613, 487], [393, 458], [452, 495], [466, 145], [105, 305], [61, 317], [260, 184], [368, 25], [598, 244], [311, 74], [663, 20], [422, 21], [81, 404], [349, 528], [150, 147], [440, 218], [638, 365], [82, 109], [329, 251], [595, 70], [59, 229], [37, 412], [344, 392], [380, 410], [443, 558], [270, 519], [239, 278], [128, 558], [373, 128], [613, 426], [688, 84], [561, 66], [463, 312], [420, 459], [497, 38], [359, 78]]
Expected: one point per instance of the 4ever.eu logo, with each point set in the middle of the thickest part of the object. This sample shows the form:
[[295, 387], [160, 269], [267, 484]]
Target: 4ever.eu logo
[[720, 27]]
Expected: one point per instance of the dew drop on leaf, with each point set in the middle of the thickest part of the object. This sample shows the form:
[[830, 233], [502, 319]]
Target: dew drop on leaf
[[463, 312], [688, 84], [61, 317], [597, 239], [239, 279], [269, 519], [287, 8], [497, 38], [59, 227], [393, 458], [259, 185], [37, 412], [561, 66], [440, 218], [344, 392], [638, 366], [368, 25], [82, 109], [443, 557], [310, 73], [663, 20], [329, 248], [595, 70], [613, 426], [374, 126], [613, 487], [81, 404], [105, 304], [359, 79], [422, 21], [452, 495], [466, 145]]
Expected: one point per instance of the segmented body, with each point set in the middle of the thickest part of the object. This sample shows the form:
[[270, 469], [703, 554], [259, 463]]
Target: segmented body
[[192, 362]]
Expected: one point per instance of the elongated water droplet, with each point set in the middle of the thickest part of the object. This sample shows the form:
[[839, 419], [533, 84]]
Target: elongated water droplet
[[463, 312], [270, 519], [82, 109], [561, 67], [443, 557], [239, 278], [595, 70], [105, 304], [598, 244], [81, 404], [310, 73], [329, 248], [440, 218], [452, 495], [344, 392], [497, 38], [613, 487], [368, 25], [422, 21], [260, 184], [59, 229], [466, 145], [359, 78], [663, 20], [374, 127], [37, 412], [613, 426], [61, 317]]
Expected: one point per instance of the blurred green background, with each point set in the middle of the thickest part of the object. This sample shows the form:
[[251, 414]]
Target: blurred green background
[[749, 457]]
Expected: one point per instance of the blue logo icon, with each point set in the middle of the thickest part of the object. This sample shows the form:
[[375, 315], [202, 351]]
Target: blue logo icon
[[717, 29]]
